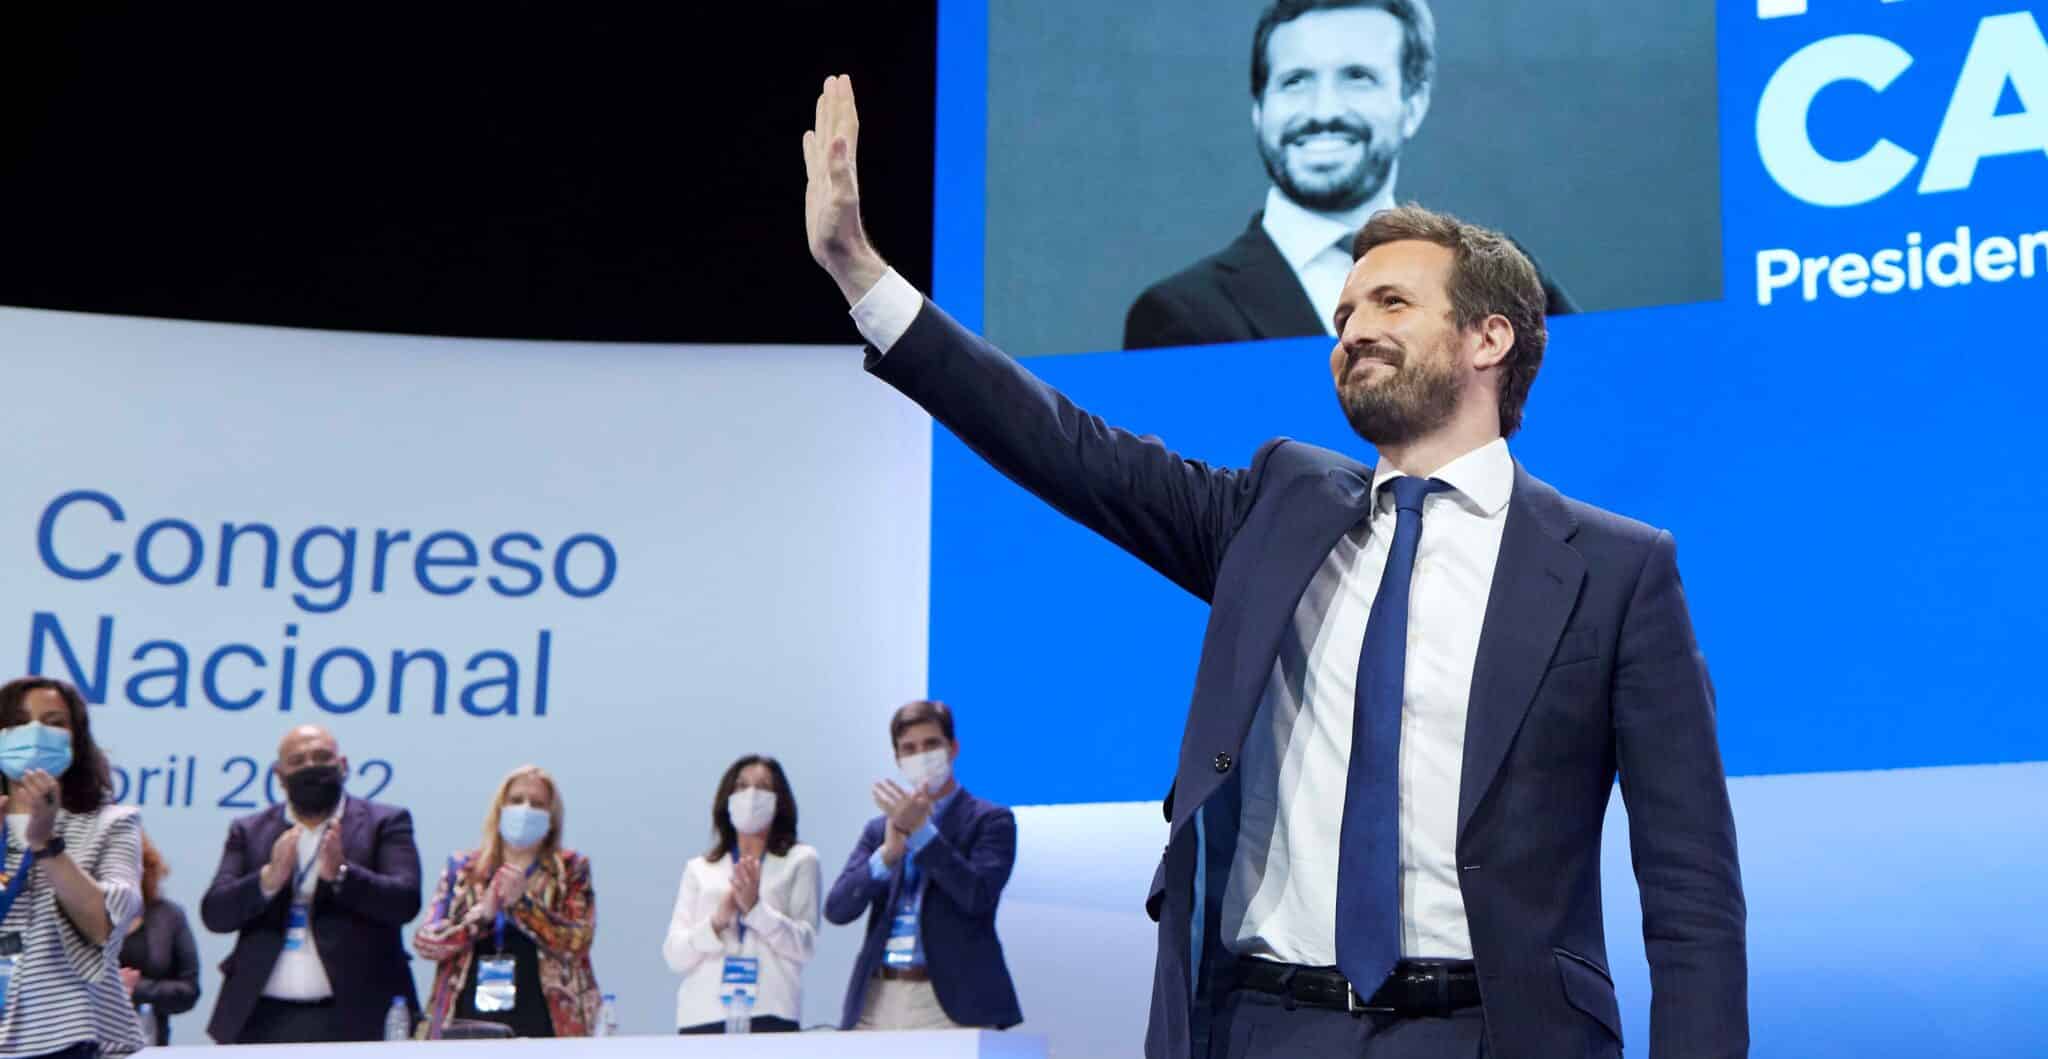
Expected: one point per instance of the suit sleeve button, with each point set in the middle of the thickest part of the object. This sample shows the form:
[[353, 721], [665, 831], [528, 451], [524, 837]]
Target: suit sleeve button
[[1223, 762]]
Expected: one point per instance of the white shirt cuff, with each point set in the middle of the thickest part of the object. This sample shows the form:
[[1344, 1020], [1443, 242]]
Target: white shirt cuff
[[887, 310]]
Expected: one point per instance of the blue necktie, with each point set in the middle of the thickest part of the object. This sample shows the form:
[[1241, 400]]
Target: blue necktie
[[1368, 867]]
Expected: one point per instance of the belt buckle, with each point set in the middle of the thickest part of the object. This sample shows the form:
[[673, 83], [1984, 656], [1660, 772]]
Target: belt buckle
[[1356, 1005]]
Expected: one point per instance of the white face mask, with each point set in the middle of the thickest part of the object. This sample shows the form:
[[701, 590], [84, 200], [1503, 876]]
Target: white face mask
[[523, 826], [929, 770], [752, 810]]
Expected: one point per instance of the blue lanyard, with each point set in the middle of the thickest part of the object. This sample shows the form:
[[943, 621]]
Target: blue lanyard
[[910, 891], [20, 880], [299, 874], [736, 920]]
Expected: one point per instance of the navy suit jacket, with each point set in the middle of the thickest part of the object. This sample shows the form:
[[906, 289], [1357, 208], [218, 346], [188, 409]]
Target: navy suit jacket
[[965, 868], [356, 919], [1586, 666]]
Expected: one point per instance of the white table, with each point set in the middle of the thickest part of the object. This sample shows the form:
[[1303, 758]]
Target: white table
[[935, 1044]]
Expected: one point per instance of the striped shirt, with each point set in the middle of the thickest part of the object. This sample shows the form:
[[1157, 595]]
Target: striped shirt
[[66, 990]]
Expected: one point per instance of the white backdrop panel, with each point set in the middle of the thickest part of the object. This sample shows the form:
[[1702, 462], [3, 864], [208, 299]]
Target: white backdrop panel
[[766, 510]]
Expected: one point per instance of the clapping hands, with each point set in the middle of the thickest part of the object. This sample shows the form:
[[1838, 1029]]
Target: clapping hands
[[38, 791], [746, 884]]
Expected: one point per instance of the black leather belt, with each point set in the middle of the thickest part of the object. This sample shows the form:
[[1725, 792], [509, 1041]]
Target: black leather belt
[[1416, 987]]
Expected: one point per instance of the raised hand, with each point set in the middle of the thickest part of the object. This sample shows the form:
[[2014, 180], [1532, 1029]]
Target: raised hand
[[746, 884], [330, 855], [508, 885], [832, 222], [907, 810], [38, 790], [728, 907], [284, 858]]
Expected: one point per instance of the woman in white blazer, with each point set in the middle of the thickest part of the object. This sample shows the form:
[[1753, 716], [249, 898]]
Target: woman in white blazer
[[747, 908]]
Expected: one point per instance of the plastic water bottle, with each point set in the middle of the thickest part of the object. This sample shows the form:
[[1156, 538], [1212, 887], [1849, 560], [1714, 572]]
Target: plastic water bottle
[[739, 1012], [608, 1016], [145, 1013], [398, 1021]]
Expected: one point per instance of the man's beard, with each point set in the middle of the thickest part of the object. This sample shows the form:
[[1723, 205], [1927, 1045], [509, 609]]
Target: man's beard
[[1337, 192], [1419, 397]]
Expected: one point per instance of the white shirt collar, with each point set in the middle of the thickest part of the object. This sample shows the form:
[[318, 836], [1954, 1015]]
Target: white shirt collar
[[1484, 477], [1302, 235]]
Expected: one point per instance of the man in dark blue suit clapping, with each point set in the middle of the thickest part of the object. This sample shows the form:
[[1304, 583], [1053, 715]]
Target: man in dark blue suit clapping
[[928, 874]]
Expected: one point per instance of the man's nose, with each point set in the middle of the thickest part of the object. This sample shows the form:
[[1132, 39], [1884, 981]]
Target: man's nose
[[1361, 333], [1326, 104]]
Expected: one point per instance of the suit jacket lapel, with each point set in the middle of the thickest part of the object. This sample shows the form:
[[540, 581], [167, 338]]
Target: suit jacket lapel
[[953, 820], [263, 835], [275, 822], [1265, 288], [1535, 586], [1310, 523], [356, 840]]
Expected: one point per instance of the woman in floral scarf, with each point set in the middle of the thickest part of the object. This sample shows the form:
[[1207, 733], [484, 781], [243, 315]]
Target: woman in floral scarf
[[511, 922]]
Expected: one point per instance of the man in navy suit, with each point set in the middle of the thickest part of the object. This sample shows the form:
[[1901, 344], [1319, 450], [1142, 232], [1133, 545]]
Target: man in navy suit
[[1339, 87], [928, 874], [315, 891], [1419, 681]]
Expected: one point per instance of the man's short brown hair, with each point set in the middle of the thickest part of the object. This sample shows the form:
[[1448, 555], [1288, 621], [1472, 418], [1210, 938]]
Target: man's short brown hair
[[923, 711], [1489, 276]]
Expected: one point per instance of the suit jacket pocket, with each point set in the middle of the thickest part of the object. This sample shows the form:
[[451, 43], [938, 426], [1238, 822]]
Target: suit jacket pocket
[[1588, 988]]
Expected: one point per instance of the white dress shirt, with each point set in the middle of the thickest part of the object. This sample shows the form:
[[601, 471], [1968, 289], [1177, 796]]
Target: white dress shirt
[[299, 974], [1316, 247], [1281, 900], [781, 931]]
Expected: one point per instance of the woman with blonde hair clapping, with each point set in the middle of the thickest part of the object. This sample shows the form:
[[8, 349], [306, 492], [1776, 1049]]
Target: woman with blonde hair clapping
[[512, 920]]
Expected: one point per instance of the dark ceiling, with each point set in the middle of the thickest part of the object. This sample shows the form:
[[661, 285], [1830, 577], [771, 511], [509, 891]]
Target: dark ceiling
[[624, 172]]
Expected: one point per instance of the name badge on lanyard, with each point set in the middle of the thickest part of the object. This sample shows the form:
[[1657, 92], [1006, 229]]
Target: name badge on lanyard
[[298, 926], [740, 979], [901, 948], [497, 986], [298, 931]]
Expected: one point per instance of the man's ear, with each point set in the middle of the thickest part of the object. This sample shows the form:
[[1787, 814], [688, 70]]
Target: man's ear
[[1414, 108], [1495, 340]]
